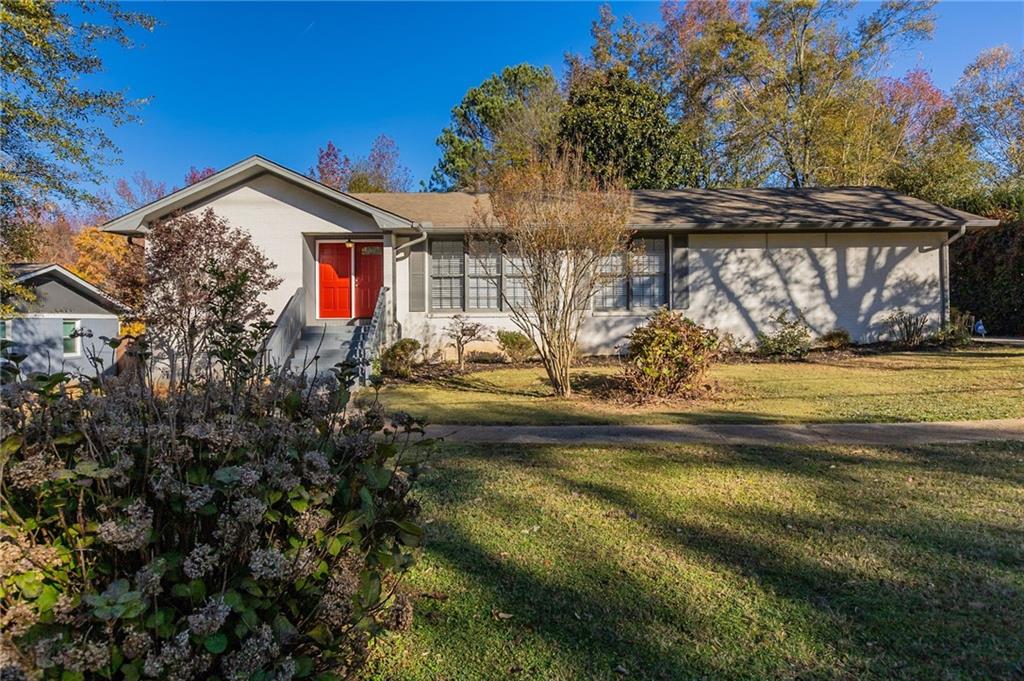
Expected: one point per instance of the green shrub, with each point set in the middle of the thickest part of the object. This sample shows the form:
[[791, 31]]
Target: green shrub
[[397, 361], [906, 330], [668, 356], [987, 266], [484, 357], [790, 338], [234, 524], [836, 339], [516, 345]]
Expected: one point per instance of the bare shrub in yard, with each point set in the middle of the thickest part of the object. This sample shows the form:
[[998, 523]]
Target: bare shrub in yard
[[906, 330], [397, 360], [668, 356], [516, 345], [788, 338], [462, 331], [956, 333], [729, 345], [557, 224]]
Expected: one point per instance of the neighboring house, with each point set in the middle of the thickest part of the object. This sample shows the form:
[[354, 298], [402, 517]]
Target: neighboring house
[[60, 330], [727, 258]]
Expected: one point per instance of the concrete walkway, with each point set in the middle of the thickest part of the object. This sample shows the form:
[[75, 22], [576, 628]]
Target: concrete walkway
[[1001, 340], [781, 434]]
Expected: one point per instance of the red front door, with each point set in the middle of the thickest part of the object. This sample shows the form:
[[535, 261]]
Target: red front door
[[335, 280], [369, 277]]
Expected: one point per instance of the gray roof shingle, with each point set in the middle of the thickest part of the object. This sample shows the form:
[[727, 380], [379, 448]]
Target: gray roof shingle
[[721, 209]]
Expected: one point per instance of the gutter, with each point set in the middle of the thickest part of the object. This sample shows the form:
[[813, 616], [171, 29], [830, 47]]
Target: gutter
[[421, 238], [944, 273], [947, 242]]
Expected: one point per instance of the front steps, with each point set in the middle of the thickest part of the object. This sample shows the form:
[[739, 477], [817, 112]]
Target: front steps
[[322, 346]]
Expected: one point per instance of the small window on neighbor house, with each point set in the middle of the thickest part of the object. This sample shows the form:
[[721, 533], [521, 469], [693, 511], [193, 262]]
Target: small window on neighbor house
[[5, 329], [72, 342]]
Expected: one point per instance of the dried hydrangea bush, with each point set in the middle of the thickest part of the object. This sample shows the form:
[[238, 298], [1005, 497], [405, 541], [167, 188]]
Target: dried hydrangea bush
[[236, 525]]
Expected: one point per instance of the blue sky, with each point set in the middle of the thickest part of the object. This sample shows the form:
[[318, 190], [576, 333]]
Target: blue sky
[[226, 80]]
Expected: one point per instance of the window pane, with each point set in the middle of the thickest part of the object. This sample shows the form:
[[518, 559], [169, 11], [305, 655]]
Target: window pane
[[612, 264], [70, 341], [649, 266], [611, 295], [446, 267], [515, 266], [483, 260], [446, 258], [483, 293], [651, 258], [3, 330], [649, 291], [516, 291], [446, 293]]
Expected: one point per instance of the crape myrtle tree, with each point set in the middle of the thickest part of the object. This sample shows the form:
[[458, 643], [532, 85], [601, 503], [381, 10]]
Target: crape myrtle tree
[[556, 224]]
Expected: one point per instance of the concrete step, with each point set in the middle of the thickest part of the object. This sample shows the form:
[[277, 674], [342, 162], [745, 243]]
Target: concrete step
[[329, 331], [330, 343]]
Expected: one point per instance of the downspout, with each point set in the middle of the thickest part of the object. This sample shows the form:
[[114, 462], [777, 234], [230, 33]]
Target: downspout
[[944, 273], [394, 269]]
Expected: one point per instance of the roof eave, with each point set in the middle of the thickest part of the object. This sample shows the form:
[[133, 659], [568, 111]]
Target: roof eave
[[858, 226], [74, 280], [135, 223]]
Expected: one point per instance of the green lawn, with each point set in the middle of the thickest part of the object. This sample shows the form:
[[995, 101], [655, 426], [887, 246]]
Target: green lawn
[[924, 386], [718, 563]]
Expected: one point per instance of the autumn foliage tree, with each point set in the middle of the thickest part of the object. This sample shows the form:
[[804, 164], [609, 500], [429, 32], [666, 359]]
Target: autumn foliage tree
[[194, 265], [380, 171], [990, 96], [557, 224], [332, 167], [198, 174], [111, 262]]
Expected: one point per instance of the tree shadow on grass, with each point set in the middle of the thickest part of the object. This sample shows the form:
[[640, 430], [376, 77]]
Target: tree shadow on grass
[[595, 618], [898, 592], [933, 595]]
